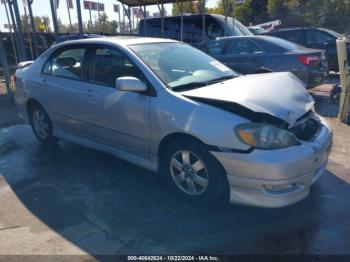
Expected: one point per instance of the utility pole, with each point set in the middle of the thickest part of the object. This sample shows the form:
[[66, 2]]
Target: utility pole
[[54, 17], [22, 49], [203, 19], [233, 13], [28, 32], [5, 67], [182, 20], [35, 40], [91, 27], [344, 80], [226, 14], [11, 33], [12, 16], [80, 22], [70, 20]]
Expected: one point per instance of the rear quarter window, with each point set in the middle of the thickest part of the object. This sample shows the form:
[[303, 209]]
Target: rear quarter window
[[296, 36]]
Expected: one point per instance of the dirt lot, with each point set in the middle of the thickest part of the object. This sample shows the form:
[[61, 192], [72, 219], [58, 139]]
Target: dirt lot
[[72, 200]]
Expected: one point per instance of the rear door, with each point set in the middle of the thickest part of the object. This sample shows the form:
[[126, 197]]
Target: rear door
[[62, 86], [242, 55], [113, 117]]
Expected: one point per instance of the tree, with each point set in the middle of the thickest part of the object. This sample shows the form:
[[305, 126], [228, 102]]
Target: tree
[[190, 7], [46, 21], [39, 24], [62, 28], [25, 23], [333, 14], [42, 24], [252, 11], [288, 11]]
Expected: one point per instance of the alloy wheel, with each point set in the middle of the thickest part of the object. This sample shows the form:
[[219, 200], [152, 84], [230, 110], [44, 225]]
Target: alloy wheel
[[189, 172], [40, 124]]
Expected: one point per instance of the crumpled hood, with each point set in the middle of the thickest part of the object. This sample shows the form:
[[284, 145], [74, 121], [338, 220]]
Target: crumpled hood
[[281, 95]]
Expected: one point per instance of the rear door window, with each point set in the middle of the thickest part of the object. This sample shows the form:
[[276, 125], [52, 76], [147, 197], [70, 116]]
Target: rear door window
[[242, 47], [296, 36], [67, 63]]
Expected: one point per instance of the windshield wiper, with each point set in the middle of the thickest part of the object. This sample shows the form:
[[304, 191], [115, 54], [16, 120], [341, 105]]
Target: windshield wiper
[[194, 85], [189, 86], [220, 79]]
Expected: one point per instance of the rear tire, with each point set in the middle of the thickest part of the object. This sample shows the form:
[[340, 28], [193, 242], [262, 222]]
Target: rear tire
[[41, 124], [192, 172]]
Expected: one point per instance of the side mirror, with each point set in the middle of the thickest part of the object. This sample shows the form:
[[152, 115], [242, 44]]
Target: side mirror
[[131, 84]]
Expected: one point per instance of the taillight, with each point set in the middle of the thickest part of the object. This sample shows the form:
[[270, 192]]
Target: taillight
[[308, 60]]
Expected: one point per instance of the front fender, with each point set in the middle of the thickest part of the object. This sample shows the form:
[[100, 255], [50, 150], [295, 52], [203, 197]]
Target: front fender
[[173, 113]]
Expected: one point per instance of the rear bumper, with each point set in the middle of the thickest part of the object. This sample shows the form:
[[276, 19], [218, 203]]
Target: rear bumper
[[276, 178], [317, 78], [312, 77]]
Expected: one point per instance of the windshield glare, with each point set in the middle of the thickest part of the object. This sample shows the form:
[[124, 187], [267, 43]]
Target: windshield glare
[[178, 64]]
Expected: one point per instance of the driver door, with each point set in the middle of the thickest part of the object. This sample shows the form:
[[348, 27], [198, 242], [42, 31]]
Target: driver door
[[113, 117]]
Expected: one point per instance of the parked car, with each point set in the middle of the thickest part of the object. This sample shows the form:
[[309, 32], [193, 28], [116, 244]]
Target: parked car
[[215, 26], [74, 36], [207, 129], [260, 54], [319, 38], [256, 30]]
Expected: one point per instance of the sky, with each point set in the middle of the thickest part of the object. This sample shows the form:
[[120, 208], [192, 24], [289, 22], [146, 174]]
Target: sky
[[42, 8]]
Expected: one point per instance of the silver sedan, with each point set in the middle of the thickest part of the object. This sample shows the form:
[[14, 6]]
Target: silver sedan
[[170, 108]]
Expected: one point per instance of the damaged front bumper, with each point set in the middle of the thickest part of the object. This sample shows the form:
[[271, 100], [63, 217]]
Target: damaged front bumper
[[276, 178]]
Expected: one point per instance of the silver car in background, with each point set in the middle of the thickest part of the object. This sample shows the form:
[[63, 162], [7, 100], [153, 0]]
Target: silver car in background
[[172, 109]]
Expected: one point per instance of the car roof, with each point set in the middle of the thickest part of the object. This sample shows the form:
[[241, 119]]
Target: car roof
[[300, 28], [119, 40], [244, 36]]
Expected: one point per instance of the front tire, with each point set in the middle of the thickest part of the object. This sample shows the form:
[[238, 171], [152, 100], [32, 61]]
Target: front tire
[[41, 125], [193, 172]]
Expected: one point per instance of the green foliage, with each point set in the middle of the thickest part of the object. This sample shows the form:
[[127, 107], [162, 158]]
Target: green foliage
[[252, 11], [333, 14], [288, 11], [190, 7], [42, 24]]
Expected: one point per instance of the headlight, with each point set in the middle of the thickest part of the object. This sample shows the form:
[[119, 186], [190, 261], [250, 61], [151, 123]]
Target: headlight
[[265, 136]]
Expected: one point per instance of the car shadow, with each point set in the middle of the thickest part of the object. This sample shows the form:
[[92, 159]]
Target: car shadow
[[106, 206]]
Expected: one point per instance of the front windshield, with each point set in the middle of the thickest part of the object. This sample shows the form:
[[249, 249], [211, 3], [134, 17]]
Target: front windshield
[[238, 26], [181, 66]]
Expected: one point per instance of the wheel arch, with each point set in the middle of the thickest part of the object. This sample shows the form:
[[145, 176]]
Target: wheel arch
[[31, 103], [168, 139], [172, 137], [178, 136]]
